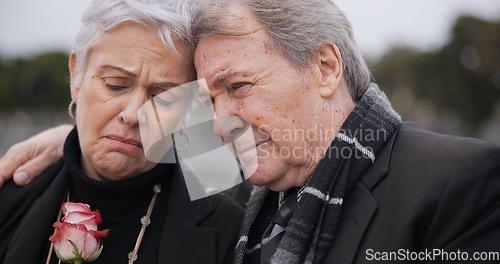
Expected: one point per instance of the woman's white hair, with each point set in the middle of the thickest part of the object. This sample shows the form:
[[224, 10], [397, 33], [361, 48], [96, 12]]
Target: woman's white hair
[[170, 18], [298, 28]]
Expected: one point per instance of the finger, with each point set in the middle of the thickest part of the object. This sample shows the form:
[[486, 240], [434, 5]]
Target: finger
[[10, 162], [3, 178], [29, 170]]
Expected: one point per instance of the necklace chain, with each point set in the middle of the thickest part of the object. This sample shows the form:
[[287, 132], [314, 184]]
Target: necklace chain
[[145, 221]]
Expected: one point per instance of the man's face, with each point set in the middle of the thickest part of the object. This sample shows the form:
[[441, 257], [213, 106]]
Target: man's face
[[254, 86]]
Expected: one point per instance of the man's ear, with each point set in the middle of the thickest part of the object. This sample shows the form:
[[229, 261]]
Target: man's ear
[[329, 62], [74, 83]]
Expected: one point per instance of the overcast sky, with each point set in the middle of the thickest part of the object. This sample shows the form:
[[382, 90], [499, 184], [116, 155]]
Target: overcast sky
[[29, 27]]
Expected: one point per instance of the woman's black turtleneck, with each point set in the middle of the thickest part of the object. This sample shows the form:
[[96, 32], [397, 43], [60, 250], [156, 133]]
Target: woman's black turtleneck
[[122, 204]]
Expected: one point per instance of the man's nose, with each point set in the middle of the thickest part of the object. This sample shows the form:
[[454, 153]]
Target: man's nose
[[228, 125]]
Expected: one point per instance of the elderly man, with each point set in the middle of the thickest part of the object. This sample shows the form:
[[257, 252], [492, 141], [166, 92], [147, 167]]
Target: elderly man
[[342, 179]]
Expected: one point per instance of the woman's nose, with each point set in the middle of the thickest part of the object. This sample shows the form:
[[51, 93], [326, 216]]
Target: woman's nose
[[129, 115]]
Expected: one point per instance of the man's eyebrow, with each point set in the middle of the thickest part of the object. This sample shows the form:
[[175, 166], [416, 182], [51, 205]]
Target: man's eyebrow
[[120, 69], [222, 77]]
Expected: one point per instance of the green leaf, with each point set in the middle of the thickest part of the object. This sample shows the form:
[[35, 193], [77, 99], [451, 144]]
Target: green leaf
[[78, 254]]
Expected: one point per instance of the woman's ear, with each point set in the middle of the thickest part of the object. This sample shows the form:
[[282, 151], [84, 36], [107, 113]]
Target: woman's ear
[[74, 82], [330, 65]]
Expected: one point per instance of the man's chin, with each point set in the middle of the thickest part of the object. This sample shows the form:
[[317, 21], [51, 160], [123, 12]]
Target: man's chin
[[259, 179], [272, 184]]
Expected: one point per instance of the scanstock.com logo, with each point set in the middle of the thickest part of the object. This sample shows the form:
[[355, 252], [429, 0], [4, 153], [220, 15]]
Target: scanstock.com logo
[[177, 126]]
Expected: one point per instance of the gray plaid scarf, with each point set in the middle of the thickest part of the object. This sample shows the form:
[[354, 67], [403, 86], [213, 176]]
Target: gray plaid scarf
[[312, 229]]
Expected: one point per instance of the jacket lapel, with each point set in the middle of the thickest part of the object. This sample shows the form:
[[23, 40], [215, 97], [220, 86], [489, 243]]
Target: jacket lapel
[[359, 209], [355, 218], [25, 246], [184, 239]]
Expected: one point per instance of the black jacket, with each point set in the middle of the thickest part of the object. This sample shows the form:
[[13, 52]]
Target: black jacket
[[425, 193]]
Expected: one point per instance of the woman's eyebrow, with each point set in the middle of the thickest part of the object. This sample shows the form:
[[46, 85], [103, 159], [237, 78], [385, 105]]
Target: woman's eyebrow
[[120, 69]]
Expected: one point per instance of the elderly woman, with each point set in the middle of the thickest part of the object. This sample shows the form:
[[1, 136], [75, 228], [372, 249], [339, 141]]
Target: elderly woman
[[126, 52]]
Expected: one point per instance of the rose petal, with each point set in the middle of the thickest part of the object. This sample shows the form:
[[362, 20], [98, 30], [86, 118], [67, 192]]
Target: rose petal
[[90, 220], [75, 233], [86, 241], [57, 225], [90, 246], [75, 207], [100, 234]]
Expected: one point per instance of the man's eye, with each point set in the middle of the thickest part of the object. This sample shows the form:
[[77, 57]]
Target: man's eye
[[115, 84], [236, 86]]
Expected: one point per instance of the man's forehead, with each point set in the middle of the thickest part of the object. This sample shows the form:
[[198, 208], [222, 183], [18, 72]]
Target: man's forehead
[[241, 17], [219, 55], [235, 19]]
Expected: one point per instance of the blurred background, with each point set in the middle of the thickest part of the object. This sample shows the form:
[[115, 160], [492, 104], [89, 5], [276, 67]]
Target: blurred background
[[438, 61]]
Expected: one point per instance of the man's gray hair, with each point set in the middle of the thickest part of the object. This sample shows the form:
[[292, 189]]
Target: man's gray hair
[[170, 18], [298, 28]]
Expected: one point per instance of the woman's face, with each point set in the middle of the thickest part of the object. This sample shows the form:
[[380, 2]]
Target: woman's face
[[126, 67]]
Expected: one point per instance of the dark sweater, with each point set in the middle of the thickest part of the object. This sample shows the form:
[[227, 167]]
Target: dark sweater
[[122, 204]]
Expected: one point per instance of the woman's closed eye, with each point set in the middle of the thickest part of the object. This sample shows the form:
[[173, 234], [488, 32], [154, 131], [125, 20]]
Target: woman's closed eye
[[116, 84], [166, 98], [164, 101]]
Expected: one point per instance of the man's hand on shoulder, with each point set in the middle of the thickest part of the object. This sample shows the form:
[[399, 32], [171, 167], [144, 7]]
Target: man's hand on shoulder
[[26, 160]]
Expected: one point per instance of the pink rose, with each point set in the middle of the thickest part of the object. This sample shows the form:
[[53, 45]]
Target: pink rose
[[78, 213], [76, 239]]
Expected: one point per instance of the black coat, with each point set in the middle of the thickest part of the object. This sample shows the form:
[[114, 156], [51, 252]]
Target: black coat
[[202, 231], [424, 192]]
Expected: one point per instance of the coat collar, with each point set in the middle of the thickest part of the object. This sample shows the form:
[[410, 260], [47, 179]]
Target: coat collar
[[358, 210], [24, 246]]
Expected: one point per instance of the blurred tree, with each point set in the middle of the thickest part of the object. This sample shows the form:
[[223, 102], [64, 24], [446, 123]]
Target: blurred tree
[[38, 83], [459, 78]]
